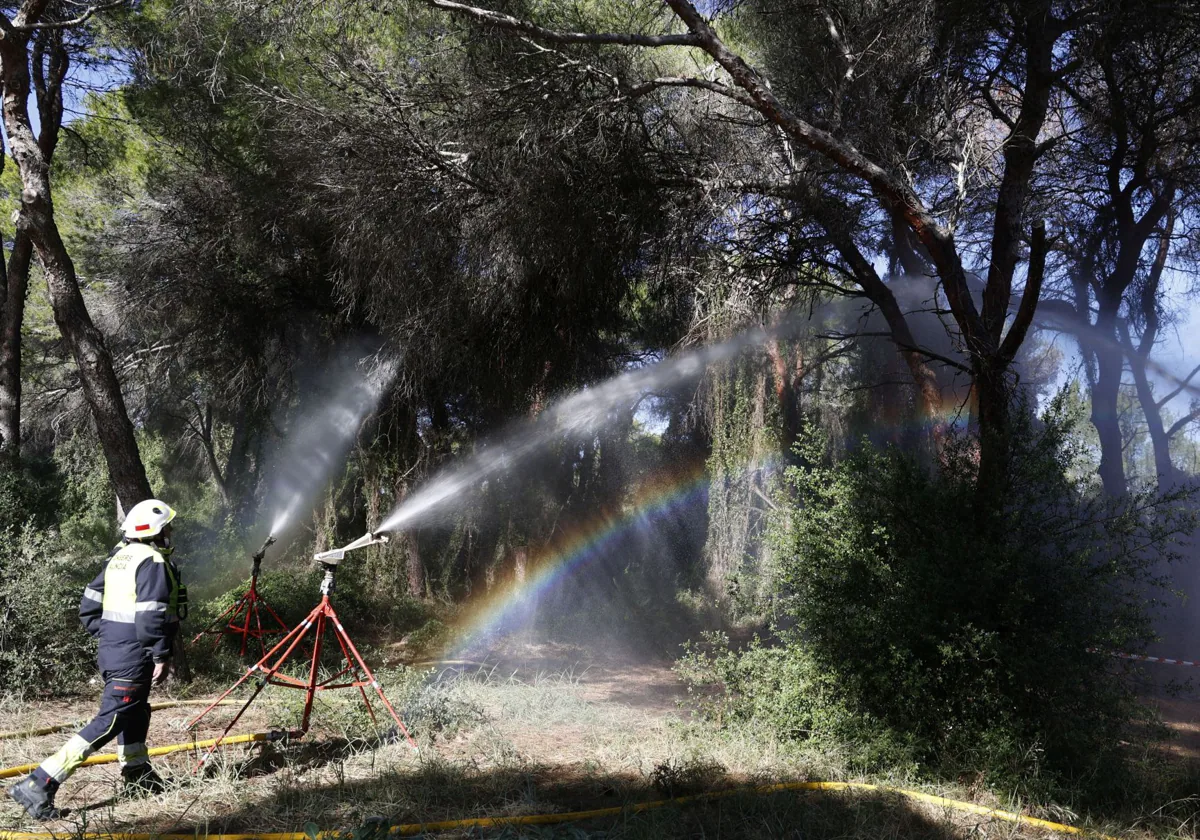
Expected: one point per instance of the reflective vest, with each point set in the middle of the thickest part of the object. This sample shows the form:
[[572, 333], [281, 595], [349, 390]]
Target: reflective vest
[[120, 602], [133, 607]]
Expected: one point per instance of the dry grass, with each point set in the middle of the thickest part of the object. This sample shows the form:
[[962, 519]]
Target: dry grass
[[531, 737]]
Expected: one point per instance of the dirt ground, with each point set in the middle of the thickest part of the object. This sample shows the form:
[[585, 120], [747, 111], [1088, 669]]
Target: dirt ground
[[544, 706], [1174, 691], [546, 728]]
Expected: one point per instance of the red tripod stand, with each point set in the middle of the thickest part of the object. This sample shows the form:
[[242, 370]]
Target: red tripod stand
[[354, 674], [243, 618]]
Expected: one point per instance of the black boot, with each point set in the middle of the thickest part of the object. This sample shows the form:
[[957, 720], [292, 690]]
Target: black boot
[[141, 780], [36, 798]]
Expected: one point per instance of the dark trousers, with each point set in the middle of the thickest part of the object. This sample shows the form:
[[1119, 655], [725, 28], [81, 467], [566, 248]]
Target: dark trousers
[[124, 714]]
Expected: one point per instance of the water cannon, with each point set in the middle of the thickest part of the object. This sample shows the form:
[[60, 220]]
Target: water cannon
[[336, 555], [243, 619], [322, 620], [257, 558]]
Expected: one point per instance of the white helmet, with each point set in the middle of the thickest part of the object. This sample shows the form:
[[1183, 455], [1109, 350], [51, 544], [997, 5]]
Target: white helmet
[[147, 519]]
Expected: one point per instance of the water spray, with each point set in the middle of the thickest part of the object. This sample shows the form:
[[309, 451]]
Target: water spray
[[579, 413], [244, 620], [322, 436]]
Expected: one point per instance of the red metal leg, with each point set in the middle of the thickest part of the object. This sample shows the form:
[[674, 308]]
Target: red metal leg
[[291, 640], [370, 676], [244, 621], [220, 619], [271, 663], [316, 658]]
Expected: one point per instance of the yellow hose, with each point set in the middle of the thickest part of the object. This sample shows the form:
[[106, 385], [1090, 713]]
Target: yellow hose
[[574, 816], [109, 758], [154, 707]]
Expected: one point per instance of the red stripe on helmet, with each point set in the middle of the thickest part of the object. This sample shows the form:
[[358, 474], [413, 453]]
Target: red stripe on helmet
[[141, 528]]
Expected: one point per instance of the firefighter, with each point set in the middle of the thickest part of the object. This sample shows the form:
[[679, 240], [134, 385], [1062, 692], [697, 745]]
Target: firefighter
[[133, 608]]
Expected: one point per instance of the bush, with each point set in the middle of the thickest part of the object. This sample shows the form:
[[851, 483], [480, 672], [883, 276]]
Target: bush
[[921, 642], [43, 648]]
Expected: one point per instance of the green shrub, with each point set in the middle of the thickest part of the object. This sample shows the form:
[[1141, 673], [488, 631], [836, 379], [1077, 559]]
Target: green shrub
[[924, 634], [43, 647]]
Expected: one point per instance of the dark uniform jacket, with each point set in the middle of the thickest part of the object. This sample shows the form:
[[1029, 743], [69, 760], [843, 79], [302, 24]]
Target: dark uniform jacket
[[133, 608]]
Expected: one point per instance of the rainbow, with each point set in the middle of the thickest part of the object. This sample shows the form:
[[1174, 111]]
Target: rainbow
[[655, 502]]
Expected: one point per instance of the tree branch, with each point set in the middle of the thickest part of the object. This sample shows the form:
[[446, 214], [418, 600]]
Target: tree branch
[[1033, 291], [1183, 385], [1182, 422], [1020, 156], [702, 84], [1149, 299], [511, 24], [88, 14]]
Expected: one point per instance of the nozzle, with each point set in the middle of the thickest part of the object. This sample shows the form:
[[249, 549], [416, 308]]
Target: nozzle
[[336, 555], [258, 556]]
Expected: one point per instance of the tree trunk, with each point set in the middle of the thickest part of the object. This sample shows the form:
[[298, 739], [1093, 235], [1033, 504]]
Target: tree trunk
[[409, 548], [413, 567], [992, 406], [16, 282], [239, 477], [1110, 364], [1164, 468], [36, 220], [520, 565], [1139, 356], [96, 373], [787, 393]]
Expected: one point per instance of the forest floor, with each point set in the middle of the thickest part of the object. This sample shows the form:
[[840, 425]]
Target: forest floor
[[537, 729]]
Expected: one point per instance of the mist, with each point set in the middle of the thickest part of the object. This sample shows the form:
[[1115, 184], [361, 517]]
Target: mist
[[568, 418]]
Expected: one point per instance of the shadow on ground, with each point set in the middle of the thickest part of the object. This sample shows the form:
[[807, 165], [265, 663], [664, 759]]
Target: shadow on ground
[[437, 790], [341, 784]]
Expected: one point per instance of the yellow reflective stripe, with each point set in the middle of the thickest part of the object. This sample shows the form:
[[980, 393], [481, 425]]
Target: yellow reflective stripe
[[178, 593], [64, 762]]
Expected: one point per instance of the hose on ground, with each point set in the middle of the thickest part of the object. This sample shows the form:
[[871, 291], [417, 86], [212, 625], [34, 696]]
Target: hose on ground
[[411, 829]]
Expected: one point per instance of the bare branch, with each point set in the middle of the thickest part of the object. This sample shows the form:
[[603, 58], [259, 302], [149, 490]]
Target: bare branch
[[1182, 386], [1029, 299], [703, 84], [512, 24], [1183, 422], [88, 14]]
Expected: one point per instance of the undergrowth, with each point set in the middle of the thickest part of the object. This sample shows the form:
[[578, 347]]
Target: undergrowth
[[923, 632]]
